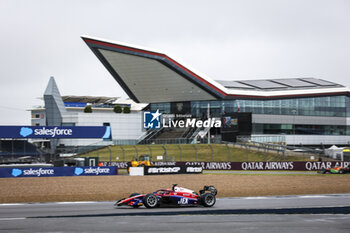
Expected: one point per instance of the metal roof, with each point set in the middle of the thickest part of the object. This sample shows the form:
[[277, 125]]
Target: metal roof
[[280, 84], [148, 76], [89, 99]]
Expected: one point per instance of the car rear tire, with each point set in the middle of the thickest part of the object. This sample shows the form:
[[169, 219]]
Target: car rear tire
[[150, 200], [208, 199]]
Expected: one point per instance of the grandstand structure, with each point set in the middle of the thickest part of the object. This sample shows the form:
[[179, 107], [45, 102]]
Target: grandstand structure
[[306, 110], [18, 150]]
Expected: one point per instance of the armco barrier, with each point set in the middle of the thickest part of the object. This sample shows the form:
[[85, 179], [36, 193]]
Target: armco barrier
[[288, 166], [57, 171]]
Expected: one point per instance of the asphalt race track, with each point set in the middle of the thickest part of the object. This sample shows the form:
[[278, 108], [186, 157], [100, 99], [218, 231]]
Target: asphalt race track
[[313, 213]]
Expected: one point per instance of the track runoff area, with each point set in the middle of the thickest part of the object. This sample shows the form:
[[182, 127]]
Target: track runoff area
[[306, 213], [302, 213]]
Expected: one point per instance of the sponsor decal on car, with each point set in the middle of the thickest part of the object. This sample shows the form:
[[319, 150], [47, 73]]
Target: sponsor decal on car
[[183, 201]]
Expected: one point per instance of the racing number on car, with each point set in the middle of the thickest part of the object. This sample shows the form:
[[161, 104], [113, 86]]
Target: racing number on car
[[183, 201]]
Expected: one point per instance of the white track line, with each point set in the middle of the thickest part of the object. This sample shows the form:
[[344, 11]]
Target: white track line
[[11, 219]]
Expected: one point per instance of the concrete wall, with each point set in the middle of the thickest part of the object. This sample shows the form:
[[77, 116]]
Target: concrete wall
[[123, 126]]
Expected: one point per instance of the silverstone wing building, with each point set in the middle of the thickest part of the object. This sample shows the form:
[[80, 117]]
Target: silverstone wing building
[[306, 111]]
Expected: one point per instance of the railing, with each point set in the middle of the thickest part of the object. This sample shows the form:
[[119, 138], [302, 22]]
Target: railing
[[227, 152], [263, 139], [153, 141]]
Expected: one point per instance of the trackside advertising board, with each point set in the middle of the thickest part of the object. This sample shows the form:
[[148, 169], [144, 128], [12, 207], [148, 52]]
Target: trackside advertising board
[[57, 171], [170, 170], [287, 166], [55, 132]]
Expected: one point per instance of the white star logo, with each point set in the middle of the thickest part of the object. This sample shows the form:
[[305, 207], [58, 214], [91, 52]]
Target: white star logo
[[156, 115]]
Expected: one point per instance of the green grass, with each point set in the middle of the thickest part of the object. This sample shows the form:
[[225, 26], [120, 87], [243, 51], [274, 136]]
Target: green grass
[[218, 153]]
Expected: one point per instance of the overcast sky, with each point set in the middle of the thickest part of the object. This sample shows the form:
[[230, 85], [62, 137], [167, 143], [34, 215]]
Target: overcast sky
[[226, 40]]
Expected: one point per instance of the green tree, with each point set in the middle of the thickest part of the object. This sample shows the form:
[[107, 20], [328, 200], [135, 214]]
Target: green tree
[[88, 109], [126, 109], [117, 109]]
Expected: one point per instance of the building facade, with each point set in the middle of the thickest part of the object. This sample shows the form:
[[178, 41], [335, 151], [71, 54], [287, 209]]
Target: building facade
[[69, 111], [306, 111]]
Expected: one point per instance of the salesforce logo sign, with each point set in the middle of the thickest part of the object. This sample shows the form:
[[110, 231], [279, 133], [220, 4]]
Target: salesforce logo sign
[[16, 172], [92, 171], [52, 132], [32, 172], [78, 171], [25, 131]]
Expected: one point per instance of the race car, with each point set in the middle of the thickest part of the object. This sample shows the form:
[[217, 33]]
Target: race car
[[177, 196], [335, 170]]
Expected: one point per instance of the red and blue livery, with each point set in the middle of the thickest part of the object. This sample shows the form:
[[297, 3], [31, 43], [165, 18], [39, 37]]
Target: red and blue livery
[[177, 196]]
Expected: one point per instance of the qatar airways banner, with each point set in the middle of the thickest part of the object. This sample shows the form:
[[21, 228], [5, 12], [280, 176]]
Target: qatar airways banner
[[55, 132], [254, 166]]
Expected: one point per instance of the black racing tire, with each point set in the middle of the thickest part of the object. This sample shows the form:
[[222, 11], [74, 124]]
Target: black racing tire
[[134, 194], [341, 171], [150, 200], [208, 199]]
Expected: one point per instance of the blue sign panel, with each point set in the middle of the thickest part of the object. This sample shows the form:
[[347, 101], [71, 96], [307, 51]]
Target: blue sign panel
[[75, 104], [151, 120], [55, 132], [57, 171]]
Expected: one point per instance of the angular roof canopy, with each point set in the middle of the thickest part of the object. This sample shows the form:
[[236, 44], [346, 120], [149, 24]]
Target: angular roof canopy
[[148, 76]]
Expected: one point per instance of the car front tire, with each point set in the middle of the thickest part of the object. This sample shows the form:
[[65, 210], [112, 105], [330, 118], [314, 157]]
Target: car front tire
[[150, 200]]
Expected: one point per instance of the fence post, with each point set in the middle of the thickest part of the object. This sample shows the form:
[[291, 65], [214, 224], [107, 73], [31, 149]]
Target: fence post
[[12, 150], [178, 145], [228, 153], [246, 149], [165, 152], [212, 152], [121, 147], [150, 149], [195, 151], [41, 156], [110, 153], [24, 147], [137, 153]]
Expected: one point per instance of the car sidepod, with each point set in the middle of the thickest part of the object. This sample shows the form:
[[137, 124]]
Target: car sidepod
[[183, 200]]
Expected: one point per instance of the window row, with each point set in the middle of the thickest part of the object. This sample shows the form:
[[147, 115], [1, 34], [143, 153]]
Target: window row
[[301, 129]]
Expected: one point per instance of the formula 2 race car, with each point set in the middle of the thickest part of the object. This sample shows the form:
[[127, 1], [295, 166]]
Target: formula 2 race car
[[177, 196], [335, 170]]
